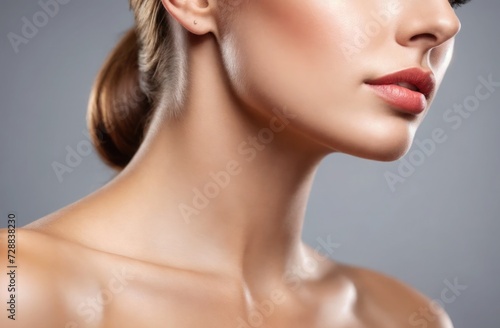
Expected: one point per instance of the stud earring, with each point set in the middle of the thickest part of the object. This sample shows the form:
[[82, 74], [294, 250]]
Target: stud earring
[[195, 23]]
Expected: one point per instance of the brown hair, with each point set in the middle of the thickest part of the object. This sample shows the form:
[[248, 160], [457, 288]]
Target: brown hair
[[146, 66]]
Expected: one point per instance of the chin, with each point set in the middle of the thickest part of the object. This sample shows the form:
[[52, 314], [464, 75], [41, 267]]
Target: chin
[[388, 147], [385, 144], [381, 153]]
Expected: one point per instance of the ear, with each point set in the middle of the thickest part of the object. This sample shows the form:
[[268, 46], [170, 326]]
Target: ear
[[196, 16]]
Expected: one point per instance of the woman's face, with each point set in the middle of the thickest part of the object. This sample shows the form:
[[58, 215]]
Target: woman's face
[[317, 59]]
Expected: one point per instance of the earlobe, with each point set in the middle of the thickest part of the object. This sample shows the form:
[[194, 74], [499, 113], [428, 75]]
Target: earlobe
[[196, 16]]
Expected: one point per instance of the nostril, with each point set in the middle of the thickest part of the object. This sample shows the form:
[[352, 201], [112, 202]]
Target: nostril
[[425, 36]]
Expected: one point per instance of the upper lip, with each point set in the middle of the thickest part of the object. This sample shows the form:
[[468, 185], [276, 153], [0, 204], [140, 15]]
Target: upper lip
[[422, 80]]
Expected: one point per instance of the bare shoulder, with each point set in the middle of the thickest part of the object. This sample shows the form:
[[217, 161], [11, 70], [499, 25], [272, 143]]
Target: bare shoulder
[[387, 302], [33, 281], [28, 280]]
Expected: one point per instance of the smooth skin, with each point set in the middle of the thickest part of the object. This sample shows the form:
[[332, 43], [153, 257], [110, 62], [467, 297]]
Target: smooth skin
[[138, 252]]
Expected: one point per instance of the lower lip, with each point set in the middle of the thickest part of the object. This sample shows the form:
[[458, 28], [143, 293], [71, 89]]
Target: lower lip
[[401, 98]]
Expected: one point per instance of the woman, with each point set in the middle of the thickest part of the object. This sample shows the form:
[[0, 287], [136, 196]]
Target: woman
[[217, 114]]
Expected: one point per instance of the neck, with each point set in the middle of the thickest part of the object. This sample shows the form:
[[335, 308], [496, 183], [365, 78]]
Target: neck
[[220, 189]]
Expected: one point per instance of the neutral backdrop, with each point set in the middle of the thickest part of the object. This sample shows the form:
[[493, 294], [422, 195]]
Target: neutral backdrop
[[438, 225]]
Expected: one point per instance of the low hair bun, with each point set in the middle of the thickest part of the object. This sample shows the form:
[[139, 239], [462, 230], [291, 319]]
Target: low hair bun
[[119, 111]]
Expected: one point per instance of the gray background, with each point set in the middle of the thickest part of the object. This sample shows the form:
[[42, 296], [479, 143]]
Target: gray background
[[440, 224]]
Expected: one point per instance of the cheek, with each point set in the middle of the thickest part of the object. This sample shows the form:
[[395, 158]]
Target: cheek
[[290, 51]]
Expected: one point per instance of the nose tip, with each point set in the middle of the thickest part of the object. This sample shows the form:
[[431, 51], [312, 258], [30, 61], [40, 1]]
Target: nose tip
[[428, 25], [445, 28]]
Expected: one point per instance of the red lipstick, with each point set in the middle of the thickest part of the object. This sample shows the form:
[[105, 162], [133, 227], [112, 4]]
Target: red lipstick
[[408, 90]]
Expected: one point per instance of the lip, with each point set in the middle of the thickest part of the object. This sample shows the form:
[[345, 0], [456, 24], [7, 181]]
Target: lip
[[403, 98]]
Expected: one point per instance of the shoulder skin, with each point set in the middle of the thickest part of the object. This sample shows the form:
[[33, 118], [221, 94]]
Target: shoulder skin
[[391, 303]]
